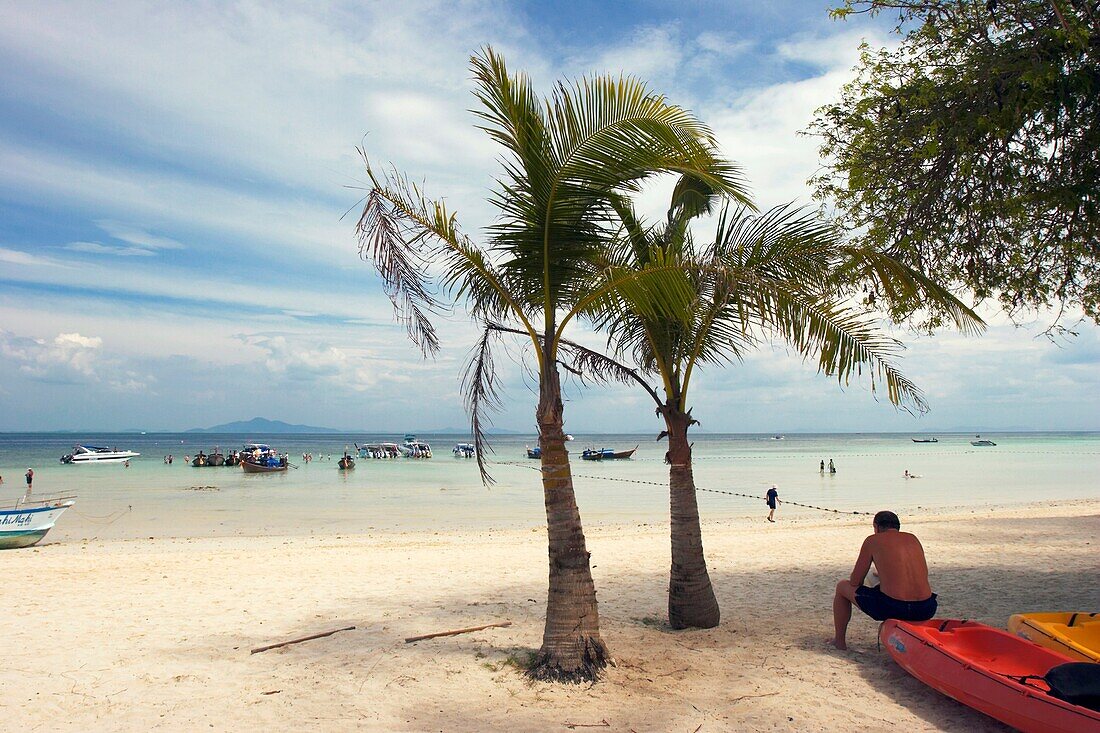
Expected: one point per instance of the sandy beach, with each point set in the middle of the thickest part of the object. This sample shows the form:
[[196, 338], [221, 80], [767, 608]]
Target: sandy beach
[[155, 634]]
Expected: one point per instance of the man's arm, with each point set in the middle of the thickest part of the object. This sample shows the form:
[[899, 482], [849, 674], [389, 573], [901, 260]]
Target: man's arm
[[863, 562]]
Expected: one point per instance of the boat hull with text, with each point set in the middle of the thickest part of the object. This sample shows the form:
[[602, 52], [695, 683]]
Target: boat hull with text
[[25, 523]]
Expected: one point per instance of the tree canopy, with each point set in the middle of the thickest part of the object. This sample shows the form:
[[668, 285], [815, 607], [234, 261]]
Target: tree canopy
[[972, 150]]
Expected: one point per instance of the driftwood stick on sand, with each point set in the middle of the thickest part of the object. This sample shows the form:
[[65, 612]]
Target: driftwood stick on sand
[[323, 634], [411, 639], [602, 724]]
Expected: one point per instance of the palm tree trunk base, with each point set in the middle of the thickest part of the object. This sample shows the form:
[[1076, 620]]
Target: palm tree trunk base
[[686, 614], [547, 667]]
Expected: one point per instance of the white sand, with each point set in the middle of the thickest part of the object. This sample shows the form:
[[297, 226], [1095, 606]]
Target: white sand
[[155, 634]]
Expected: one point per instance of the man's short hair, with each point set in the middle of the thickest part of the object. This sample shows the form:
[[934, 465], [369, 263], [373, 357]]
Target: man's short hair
[[887, 520]]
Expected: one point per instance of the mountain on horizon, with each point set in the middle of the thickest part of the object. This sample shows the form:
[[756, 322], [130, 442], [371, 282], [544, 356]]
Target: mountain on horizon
[[261, 425]]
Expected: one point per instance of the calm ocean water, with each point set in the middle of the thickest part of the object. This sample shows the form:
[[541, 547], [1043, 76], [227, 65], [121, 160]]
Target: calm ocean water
[[153, 499]]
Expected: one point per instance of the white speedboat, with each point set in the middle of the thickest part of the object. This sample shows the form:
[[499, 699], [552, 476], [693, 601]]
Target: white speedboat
[[413, 448], [95, 454], [25, 522]]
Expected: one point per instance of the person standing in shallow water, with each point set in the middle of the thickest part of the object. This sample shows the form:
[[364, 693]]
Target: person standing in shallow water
[[832, 468], [822, 469], [772, 500]]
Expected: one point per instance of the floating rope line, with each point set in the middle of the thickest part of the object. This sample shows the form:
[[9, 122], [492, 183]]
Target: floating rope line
[[105, 520], [697, 488]]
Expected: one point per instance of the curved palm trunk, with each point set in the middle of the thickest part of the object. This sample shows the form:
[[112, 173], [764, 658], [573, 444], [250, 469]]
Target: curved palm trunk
[[691, 600], [572, 649]]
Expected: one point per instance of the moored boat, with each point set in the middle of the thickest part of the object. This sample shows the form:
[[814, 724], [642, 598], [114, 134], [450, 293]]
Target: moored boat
[[378, 450], [96, 454], [413, 448], [606, 454], [989, 670], [982, 443], [25, 522], [925, 440], [1077, 635], [278, 467], [346, 463], [535, 452], [464, 450], [261, 458]]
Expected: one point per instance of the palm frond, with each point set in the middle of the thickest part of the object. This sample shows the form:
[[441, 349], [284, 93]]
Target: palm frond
[[407, 235], [384, 241], [905, 289], [842, 341], [481, 394]]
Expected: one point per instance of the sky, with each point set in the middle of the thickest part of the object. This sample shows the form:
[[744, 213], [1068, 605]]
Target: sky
[[179, 185]]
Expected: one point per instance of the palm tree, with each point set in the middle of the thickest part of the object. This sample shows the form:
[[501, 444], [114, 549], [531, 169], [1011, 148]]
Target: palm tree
[[782, 273], [565, 159]]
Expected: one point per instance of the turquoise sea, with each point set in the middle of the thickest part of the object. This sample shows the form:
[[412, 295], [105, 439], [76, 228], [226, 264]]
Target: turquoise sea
[[151, 499]]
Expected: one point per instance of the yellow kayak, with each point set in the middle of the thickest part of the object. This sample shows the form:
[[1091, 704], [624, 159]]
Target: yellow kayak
[[1077, 635]]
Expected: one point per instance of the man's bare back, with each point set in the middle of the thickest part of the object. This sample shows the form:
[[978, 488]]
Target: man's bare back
[[902, 569]]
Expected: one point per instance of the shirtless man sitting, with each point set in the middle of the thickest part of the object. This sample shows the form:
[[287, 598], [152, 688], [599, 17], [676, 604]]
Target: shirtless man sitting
[[903, 592]]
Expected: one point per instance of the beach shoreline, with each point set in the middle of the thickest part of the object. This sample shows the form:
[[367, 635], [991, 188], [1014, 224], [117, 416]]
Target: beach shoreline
[[127, 634]]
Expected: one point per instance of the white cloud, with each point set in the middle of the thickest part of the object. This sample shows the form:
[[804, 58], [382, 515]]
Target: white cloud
[[97, 248], [137, 236]]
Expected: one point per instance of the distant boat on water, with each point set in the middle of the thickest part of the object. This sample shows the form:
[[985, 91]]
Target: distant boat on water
[[95, 454], [464, 450], [27, 521], [926, 440], [606, 454], [982, 443]]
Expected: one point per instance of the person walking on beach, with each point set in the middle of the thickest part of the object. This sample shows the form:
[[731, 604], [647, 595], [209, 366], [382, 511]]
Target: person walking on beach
[[30, 479], [832, 468], [903, 591], [772, 500], [822, 465]]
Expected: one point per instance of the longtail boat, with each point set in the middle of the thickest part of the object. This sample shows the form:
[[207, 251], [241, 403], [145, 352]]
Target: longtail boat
[[606, 454]]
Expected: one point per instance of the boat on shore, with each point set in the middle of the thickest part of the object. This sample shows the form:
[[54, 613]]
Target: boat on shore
[[1075, 634], [606, 454], [925, 440], [535, 452], [990, 670], [96, 454], [26, 522]]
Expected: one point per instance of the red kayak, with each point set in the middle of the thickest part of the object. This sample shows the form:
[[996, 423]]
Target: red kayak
[[975, 664]]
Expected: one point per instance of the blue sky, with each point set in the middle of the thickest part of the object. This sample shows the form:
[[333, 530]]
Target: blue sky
[[173, 177]]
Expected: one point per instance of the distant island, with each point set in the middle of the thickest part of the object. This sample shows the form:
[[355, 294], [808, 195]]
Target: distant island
[[262, 426]]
